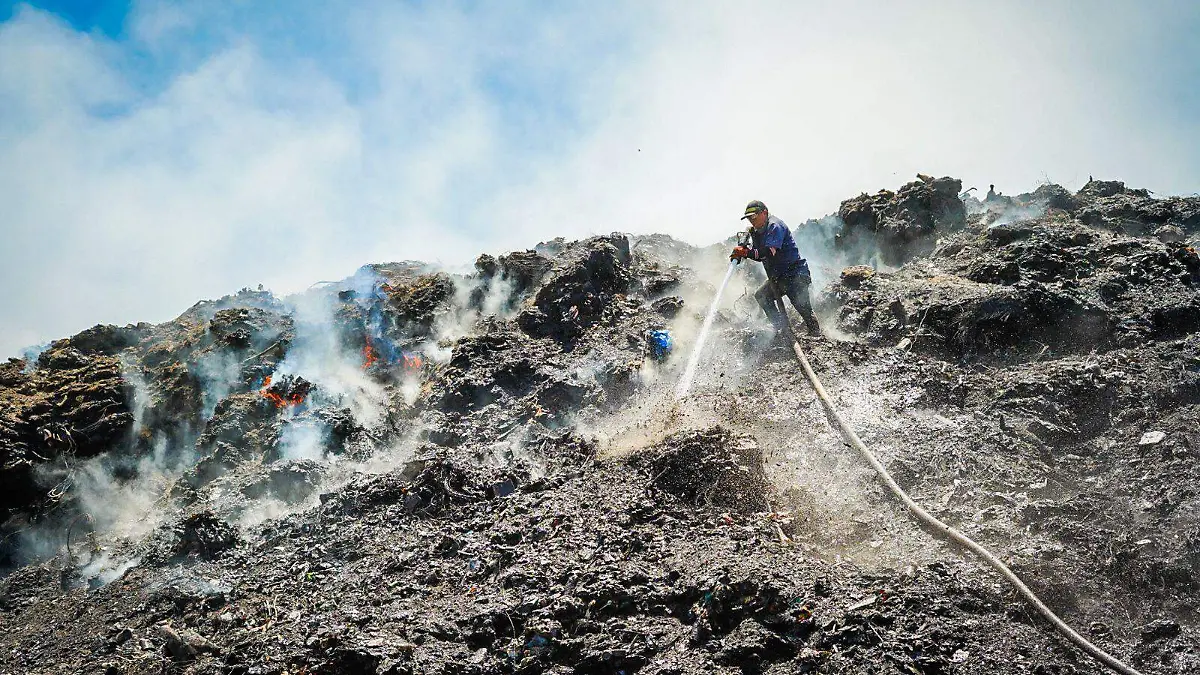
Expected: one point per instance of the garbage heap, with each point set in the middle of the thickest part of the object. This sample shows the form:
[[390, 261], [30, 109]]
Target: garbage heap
[[400, 472]]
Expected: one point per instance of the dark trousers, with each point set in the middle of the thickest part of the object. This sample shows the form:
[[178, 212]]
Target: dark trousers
[[794, 287]]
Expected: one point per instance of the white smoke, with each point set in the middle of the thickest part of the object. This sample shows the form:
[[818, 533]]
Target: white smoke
[[218, 373], [132, 508], [30, 356], [303, 441], [129, 503], [318, 355], [140, 403]]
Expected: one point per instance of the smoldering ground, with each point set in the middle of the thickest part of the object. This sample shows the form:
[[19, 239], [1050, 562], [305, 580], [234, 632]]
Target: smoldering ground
[[361, 371], [466, 486], [334, 334]]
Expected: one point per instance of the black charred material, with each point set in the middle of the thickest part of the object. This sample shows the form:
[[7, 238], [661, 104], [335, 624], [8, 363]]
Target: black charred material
[[578, 290], [204, 535], [1111, 205], [1050, 284], [288, 481], [668, 307], [242, 327], [524, 269], [238, 420], [905, 223], [712, 467], [531, 500], [104, 340], [516, 273]]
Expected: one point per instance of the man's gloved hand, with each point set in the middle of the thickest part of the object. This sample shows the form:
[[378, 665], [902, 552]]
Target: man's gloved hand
[[739, 252]]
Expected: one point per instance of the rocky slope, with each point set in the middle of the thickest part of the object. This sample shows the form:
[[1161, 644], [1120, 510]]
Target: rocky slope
[[412, 471]]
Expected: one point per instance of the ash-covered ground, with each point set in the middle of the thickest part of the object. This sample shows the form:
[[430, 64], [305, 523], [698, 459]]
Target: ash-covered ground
[[419, 471]]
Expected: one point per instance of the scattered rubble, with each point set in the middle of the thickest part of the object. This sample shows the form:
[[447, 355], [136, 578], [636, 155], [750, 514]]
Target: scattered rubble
[[710, 468], [204, 535], [905, 223], [441, 504]]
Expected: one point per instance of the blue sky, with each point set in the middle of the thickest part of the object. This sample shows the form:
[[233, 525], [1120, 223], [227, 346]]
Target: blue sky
[[104, 16], [155, 153]]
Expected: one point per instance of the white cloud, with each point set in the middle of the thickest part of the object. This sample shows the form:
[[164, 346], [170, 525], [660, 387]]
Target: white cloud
[[216, 149], [156, 24], [804, 105]]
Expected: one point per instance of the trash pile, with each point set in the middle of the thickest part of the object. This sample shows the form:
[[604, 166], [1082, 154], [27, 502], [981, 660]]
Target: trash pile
[[71, 404], [403, 471], [904, 223], [1049, 284], [711, 467]]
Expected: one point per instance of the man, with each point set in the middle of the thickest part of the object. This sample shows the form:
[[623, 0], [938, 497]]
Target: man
[[787, 273]]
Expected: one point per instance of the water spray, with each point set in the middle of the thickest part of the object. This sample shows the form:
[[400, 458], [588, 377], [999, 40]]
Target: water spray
[[685, 383]]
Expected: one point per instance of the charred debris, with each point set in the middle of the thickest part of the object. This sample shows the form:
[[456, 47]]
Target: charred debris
[[411, 471]]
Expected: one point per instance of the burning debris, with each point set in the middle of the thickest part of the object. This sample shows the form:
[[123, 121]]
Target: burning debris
[[289, 392], [386, 356], [398, 472], [370, 356]]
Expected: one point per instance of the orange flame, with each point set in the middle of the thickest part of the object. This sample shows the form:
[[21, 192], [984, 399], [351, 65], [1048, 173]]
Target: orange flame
[[280, 400], [410, 361]]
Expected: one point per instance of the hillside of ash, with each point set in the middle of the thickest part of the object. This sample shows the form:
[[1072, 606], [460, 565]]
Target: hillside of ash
[[413, 471]]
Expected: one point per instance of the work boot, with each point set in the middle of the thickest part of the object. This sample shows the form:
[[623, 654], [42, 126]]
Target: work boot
[[778, 323], [779, 348], [814, 328]]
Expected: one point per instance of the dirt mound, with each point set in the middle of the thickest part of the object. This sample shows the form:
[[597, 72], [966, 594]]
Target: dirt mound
[[578, 290], [951, 315], [1051, 196], [904, 223], [523, 269], [1111, 205], [400, 472], [105, 340], [1051, 284], [712, 467]]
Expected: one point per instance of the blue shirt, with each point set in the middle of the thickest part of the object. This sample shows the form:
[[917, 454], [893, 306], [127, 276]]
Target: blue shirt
[[786, 261]]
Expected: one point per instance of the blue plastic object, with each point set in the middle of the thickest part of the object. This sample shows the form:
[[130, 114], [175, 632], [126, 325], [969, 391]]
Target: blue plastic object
[[659, 343]]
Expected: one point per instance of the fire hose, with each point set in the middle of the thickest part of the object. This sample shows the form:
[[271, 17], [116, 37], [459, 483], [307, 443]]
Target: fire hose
[[951, 533]]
